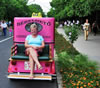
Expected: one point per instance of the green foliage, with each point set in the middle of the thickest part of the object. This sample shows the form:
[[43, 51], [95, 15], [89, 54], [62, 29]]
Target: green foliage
[[17, 8], [97, 7], [2, 9], [76, 70], [72, 32], [83, 63], [69, 8], [65, 60], [35, 8], [62, 45], [12, 8], [79, 62], [56, 24], [51, 13]]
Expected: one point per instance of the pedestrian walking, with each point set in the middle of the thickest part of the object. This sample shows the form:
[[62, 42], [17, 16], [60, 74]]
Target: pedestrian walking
[[4, 27], [95, 27], [10, 31], [77, 22], [86, 28], [9, 23], [65, 23]]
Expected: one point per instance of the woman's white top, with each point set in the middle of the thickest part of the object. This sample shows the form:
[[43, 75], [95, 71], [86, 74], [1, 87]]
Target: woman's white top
[[86, 26]]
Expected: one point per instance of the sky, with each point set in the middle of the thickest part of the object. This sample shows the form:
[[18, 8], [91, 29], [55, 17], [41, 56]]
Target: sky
[[43, 3]]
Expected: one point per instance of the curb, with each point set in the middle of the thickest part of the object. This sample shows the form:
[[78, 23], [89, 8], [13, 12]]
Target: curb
[[59, 77]]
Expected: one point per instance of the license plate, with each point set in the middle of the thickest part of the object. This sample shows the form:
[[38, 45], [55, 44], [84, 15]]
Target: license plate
[[27, 66]]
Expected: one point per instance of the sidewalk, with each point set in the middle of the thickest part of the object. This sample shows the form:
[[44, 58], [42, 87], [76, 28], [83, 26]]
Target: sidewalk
[[91, 47]]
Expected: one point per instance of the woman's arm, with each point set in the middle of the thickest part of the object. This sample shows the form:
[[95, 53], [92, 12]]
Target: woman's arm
[[35, 47], [26, 44], [42, 46]]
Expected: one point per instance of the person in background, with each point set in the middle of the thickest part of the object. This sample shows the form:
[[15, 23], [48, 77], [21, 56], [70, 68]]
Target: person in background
[[10, 31], [73, 21], [34, 44], [4, 27], [86, 28], [9, 23], [95, 27], [65, 23]]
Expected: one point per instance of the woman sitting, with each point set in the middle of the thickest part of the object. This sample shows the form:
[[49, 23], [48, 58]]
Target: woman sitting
[[33, 44]]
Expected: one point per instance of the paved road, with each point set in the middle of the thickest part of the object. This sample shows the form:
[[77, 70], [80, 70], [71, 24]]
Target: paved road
[[5, 82]]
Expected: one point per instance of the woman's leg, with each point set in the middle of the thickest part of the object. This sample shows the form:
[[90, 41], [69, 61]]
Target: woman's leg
[[95, 31], [31, 66], [32, 52], [4, 30], [85, 34]]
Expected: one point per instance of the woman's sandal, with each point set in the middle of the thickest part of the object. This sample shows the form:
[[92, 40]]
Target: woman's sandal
[[31, 76], [40, 67]]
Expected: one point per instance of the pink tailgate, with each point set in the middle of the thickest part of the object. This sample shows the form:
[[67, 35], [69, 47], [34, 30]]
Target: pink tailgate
[[21, 30], [45, 28], [24, 66]]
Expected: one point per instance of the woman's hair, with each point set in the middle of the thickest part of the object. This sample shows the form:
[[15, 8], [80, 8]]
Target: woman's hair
[[33, 26]]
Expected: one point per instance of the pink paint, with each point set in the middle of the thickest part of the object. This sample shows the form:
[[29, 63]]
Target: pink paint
[[21, 66], [47, 30], [21, 30]]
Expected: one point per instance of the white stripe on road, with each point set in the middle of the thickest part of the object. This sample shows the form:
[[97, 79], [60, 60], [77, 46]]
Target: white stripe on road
[[5, 39]]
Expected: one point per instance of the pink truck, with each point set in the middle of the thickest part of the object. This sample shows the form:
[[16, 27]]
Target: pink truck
[[19, 67]]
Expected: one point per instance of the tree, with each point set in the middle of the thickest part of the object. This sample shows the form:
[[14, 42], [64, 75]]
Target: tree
[[35, 8], [2, 9], [70, 8], [12, 8], [51, 13], [17, 8]]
